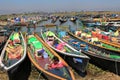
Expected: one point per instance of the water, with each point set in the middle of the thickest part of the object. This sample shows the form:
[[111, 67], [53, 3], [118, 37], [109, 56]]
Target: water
[[68, 23]]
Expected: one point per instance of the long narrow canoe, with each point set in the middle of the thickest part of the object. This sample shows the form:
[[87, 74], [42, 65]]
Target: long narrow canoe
[[63, 20], [3, 38], [115, 44], [35, 44], [11, 59], [107, 37], [110, 49], [110, 60], [73, 19], [77, 60], [50, 25]]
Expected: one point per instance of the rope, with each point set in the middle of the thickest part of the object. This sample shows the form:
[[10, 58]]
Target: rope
[[39, 75], [116, 68], [64, 56]]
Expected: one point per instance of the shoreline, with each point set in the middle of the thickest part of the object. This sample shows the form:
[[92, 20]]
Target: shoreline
[[93, 73]]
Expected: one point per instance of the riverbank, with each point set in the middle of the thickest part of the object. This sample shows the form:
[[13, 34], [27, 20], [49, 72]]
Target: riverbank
[[93, 73]]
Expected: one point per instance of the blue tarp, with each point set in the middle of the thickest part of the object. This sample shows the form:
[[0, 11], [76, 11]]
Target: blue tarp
[[78, 60], [62, 34]]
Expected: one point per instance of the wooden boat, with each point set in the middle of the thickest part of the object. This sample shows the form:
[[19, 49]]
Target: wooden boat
[[20, 24], [3, 23], [62, 19], [110, 59], [110, 43], [111, 38], [3, 38], [111, 49], [78, 61], [50, 25], [41, 62], [53, 19], [14, 51], [73, 19], [106, 37]]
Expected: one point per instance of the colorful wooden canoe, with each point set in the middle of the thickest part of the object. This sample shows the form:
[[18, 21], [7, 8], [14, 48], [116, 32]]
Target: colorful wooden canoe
[[3, 38], [110, 49], [10, 59], [35, 43], [74, 58], [110, 60]]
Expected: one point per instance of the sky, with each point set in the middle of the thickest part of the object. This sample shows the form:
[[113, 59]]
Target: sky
[[20, 6]]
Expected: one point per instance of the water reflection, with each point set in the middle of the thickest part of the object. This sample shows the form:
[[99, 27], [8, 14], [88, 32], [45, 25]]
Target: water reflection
[[67, 24]]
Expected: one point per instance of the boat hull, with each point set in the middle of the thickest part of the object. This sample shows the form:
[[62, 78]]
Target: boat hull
[[99, 48], [106, 63], [3, 39], [77, 61], [9, 64], [79, 67], [40, 64]]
